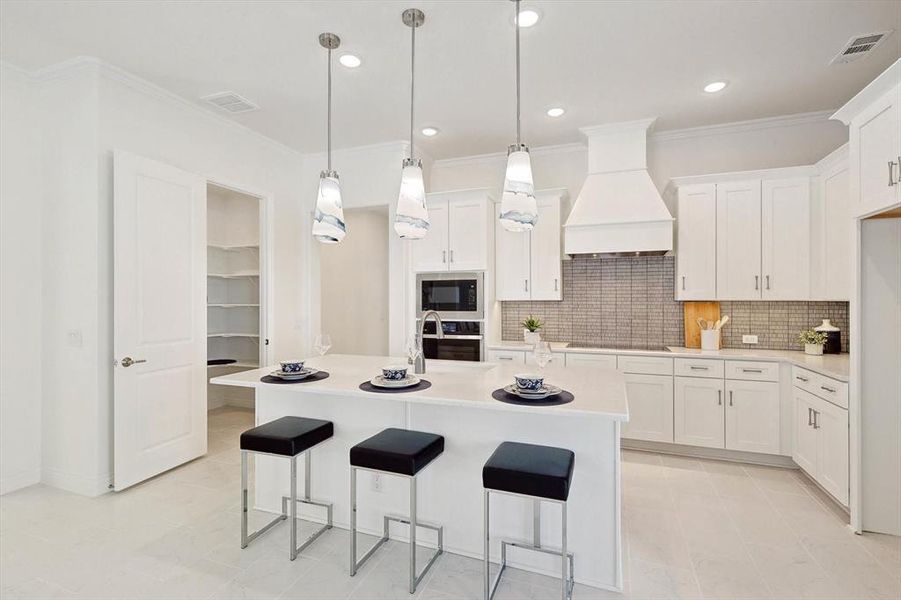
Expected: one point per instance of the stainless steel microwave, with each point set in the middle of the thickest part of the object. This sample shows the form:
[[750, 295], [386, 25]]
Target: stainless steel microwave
[[458, 296]]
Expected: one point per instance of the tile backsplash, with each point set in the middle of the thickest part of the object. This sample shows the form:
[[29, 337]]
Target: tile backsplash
[[629, 302]]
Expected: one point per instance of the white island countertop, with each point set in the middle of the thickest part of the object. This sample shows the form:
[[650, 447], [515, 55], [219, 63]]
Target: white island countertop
[[597, 392]]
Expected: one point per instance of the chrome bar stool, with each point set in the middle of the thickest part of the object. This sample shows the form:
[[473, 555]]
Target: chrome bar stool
[[537, 473], [403, 453], [285, 437]]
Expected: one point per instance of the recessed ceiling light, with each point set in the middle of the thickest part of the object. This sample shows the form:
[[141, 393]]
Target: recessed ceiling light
[[527, 17], [714, 87], [350, 61], [555, 112], [429, 131]]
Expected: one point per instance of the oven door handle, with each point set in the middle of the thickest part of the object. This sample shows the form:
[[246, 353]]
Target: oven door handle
[[433, 336]]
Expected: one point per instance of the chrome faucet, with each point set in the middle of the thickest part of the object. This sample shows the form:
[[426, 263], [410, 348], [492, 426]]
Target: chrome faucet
[[419, 364]]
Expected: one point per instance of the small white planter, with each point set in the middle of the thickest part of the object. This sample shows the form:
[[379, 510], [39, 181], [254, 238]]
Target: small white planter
[[813, 349], [531, 337]]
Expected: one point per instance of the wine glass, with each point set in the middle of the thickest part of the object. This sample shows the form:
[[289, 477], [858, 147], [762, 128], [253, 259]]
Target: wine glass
[[413, 347], [542, 354], [323, 343]]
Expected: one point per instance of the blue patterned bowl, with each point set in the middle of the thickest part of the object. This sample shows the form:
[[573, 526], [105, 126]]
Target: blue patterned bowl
[[291, 366], [395, 372], [529, 381]]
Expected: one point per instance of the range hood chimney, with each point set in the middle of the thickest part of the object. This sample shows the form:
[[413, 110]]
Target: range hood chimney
[[619, 210]]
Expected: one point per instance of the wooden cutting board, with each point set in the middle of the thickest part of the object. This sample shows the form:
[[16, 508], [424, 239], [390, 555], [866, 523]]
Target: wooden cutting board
[[709, 311]]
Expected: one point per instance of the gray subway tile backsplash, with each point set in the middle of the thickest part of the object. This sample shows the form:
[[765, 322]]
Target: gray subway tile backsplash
[[629, 302]]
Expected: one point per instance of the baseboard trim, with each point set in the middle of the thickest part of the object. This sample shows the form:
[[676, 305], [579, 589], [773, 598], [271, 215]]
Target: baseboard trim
[[768, 460], [77, 484], [20, 480]]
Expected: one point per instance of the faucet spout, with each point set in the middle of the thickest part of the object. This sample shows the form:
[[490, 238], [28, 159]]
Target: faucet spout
[[419, 363]]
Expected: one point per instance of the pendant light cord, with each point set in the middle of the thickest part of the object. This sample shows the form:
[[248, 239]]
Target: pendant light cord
[[412, 81], [516, 26], [329, 135]]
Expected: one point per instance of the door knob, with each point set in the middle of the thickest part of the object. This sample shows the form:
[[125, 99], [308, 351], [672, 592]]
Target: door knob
[[128, 361]]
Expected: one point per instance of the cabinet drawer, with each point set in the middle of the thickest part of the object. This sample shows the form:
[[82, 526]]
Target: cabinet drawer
[[821, 386], [700, 367], [752, 371], [504, 356], [574, 359], [649, 365]]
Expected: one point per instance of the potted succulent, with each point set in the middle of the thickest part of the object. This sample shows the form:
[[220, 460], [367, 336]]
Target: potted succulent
[[530, 327], [813, 341]]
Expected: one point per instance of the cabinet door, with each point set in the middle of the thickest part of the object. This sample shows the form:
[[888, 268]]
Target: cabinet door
[[831, 423], [507, 356], [804, 436], [698, 412], [836, 238], [738, 240], [875, 136], [546, 281], [696, 242], [752, 416], [430, 253], [785, 245], [650, 407], [607, 361], [512, 257], [468, 234]]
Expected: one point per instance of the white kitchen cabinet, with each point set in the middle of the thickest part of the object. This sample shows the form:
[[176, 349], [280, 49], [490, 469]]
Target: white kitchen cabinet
[[528, 265], [650, 407], [785, 247], [507, 356], [820, 444], [696, 242], [804, 438], [698, 416], [460, 233], [873, 117], [738, 224], [753, 416], [830, 229], [607, 361]]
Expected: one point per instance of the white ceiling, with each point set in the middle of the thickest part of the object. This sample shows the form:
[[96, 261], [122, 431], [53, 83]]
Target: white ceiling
[[603, 61]]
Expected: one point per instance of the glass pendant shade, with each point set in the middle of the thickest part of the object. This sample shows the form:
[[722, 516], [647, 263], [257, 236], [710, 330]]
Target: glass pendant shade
[[411, 221], [328, 220], [519, 210]]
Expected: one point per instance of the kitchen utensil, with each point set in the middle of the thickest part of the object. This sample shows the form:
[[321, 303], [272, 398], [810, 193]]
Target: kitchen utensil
[[692, 311], [722, 322]]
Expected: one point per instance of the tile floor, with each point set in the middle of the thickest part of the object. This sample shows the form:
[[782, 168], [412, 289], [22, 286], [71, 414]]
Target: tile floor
[[693, 529]]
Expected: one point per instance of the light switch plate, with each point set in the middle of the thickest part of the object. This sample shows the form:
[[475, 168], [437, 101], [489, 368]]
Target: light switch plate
[[749, 339]]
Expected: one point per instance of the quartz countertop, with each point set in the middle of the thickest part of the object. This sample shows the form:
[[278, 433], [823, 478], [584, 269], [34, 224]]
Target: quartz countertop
[[837, 366], [597, 392]]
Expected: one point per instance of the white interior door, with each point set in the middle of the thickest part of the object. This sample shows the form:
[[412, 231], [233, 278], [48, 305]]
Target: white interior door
[[159, 318]]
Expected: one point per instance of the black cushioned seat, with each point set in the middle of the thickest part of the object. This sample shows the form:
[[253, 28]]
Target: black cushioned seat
[[398, 451], [287, 436], [542, 471]]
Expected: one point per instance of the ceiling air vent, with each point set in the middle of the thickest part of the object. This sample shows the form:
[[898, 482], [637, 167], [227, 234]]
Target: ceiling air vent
[[231, 102], [859, 46]]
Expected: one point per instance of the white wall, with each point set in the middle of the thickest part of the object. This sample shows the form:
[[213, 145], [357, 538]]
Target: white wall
[[20, 282], [354, 284]]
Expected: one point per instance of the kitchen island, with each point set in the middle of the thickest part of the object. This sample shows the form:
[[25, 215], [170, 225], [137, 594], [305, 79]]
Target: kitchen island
[[460, 407]]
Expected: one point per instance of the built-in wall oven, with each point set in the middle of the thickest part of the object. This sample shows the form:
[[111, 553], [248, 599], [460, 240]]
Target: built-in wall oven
[[463, 340], [454, 296]]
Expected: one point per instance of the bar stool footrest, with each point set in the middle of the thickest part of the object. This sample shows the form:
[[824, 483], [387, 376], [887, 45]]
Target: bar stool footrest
[[529, 546], [325, 527]]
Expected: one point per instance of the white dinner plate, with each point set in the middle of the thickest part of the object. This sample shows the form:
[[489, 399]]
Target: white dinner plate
[[540, 394], [303, 374], [380, 382]]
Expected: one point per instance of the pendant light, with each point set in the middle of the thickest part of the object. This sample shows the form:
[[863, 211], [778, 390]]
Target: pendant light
[[328, 220], [411, 220], [519, 210]]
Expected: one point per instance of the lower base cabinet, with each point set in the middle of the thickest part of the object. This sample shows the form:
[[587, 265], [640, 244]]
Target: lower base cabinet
[[821, 442], [753, 411], [699, 419], [650, 407]]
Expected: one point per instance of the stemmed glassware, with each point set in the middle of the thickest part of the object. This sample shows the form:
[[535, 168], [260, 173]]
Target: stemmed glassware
[[542, 353], [413, 347], [323, 343]]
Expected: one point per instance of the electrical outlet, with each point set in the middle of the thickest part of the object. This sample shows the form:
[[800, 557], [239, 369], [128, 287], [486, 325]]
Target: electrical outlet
[[749, 339], [376, 482], [74, 338]]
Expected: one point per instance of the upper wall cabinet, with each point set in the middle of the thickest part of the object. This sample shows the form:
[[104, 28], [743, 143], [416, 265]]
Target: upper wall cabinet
[[460, 234], [696, 242], [738, 240], [529, 264], [874, 126], [830, 229], [785, 247]]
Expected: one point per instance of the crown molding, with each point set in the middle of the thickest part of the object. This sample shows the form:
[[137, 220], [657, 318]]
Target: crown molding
[[776, 173], [742, 126], [607, 128], [887, 80], [558, 149]]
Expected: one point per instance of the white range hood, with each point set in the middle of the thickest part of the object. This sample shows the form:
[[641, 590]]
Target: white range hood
[[619, 210]]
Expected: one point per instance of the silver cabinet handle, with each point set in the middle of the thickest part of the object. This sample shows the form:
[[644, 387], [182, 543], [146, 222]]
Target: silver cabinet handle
[[809, 417], [767, 282], [828, 389], [751, 370], [816, 419], [757, 282], [799, 378], [505, 358], [452, 256], [683, 282], [444, 256], [555, 284], [891, 173], [128, 361], [730, 397], [697, 368], [719, 397], [527, 285]]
